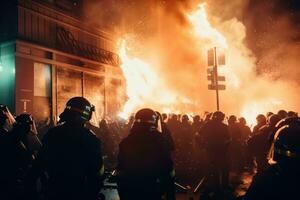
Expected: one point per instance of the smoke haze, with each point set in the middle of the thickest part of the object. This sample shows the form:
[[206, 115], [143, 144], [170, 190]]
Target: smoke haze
[[262, 72]]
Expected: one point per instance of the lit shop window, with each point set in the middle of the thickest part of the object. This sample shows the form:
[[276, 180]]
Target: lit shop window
[[42, 94], [69, 84]]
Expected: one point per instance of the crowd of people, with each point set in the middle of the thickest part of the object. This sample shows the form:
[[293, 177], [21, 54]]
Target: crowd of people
[[149, 153]]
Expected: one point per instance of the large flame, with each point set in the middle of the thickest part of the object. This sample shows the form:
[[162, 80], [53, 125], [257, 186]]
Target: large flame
[[203, 28], [144, 87], [147, 87]]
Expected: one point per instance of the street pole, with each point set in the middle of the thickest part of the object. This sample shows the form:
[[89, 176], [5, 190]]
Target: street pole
[[216, 77]]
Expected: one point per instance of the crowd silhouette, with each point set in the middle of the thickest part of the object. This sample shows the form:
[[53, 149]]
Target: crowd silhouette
[[148, 153]]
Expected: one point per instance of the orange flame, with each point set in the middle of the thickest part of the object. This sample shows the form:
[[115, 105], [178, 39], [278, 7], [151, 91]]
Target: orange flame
[[144, 87], [203, 28], [147, 88]]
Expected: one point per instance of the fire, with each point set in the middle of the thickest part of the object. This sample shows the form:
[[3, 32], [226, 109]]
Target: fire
[[251, 110], [246, 95], [203, 28], [144, 87]]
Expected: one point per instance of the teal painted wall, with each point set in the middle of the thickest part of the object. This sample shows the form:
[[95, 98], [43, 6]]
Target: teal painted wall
[[7, 75]]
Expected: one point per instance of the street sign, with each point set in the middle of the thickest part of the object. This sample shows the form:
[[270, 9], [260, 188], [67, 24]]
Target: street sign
[[213, 87], [214, 59], [211, 57], [220, 78], [221, 58]]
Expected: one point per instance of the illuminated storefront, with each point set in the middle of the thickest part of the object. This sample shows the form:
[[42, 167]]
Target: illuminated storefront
[[48, 55]]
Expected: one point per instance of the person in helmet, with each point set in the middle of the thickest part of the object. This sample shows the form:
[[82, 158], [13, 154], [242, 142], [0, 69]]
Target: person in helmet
[[6, 155], [260, 144], [292, 114], [19, 149], [71, 155], [26, 130], [282, 114], [281, 179], [216, 138], [143, 159], [236, 146], [261, 120]]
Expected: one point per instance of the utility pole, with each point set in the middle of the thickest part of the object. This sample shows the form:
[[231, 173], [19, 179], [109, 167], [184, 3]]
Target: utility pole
[[214, 60]]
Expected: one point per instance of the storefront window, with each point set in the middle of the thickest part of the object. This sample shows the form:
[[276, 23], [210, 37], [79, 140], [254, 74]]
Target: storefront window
[[42, 94], [69, 84], [114, 98], [94, 92]]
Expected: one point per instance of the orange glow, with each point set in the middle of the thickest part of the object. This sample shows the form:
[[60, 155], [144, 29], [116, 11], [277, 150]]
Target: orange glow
[[143, 86], [252, 109], [152, 84], [203, 28]]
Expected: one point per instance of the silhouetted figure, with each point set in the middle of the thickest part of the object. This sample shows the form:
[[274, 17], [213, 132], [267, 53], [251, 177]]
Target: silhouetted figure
[[246, 133], [71, 155], [269, 114], [216, 138], [292, 114], [6, 121], [260, 143], [44, 126], [105, 135], [127, 127], [245, 129], [168, 186], [21, 145], [197, 124], [261, 120], [143, 160], [236, 146], [281, 179], [164, 117], [166, 133], [282, 114]]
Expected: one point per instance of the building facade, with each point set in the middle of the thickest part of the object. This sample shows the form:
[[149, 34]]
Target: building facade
[[48, 55]]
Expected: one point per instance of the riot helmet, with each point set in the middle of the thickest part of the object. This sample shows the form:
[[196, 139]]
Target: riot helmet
[[282, 114], [261, 119], [77, 109], [286, 144], [218, 116], [242, 121], [232, 119], [292, 114], [26, 122], [148, 119], [286, 121], [146, 115], [273, 119]]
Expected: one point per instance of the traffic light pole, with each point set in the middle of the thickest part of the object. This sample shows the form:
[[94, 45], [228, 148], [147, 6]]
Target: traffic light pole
[[216, 77]]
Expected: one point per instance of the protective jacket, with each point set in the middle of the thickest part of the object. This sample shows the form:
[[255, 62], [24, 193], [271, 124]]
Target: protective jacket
[[274, 183], [143, 161], [72, 158]]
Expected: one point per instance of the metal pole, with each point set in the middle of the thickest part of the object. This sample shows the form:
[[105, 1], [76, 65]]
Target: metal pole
[[216, 77]]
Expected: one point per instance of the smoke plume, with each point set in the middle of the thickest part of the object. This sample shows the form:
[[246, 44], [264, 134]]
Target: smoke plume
[[262, 72]]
